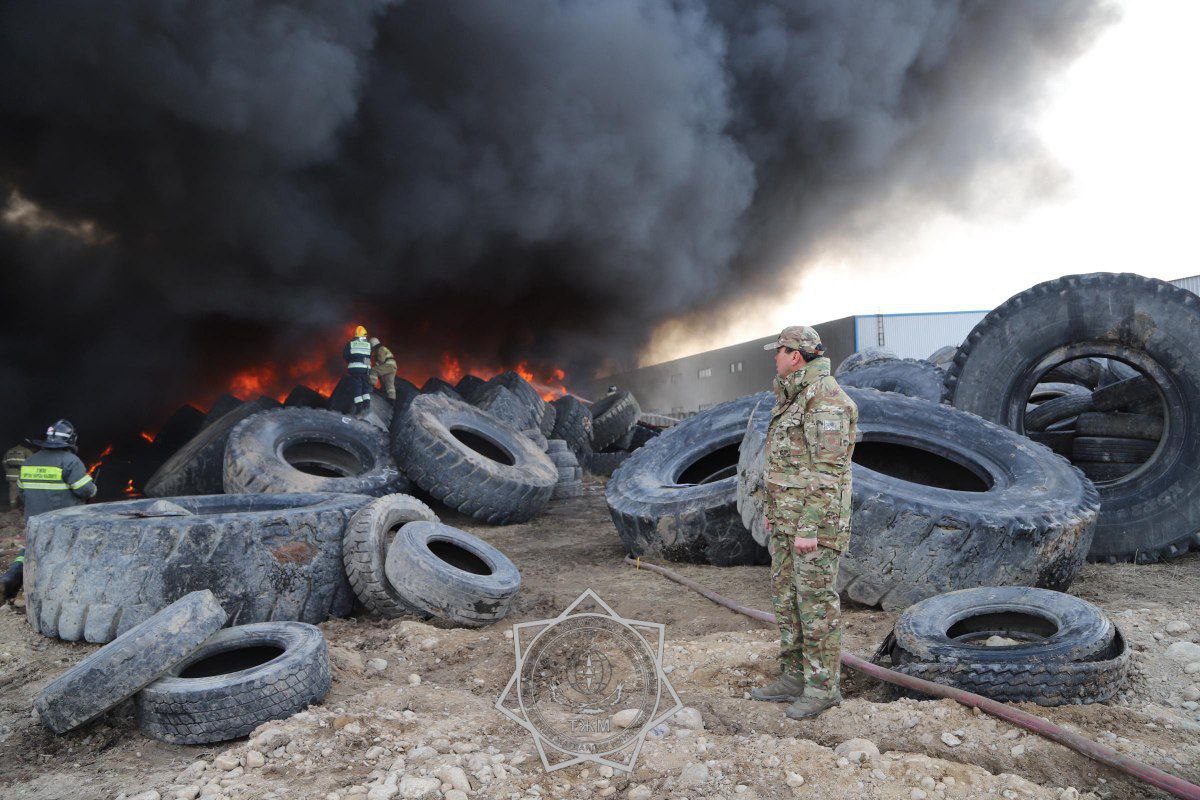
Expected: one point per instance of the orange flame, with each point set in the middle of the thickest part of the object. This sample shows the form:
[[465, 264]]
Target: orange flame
[[100, 460], [149, 437], [129, 491]]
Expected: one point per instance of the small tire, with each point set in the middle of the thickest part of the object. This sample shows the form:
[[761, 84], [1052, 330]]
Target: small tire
[[365, 547], [267, 451], [1111, 450], [1053, 627], [612, 417], [472, 462], [451, 575], [1056, 410], [132, 661], [203, 700], [1098, 472], [1129, 426], [603, 465], [907, 376]]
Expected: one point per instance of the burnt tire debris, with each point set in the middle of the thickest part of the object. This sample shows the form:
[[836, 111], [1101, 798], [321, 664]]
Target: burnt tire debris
[[943, 500], [94, 572], [1065, 330], [129, 663], [308, 450], [365, 547], [472, 462], [1011, 644], [450, 575], [236, 680]]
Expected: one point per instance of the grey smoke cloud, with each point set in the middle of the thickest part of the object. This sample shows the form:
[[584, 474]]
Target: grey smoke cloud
[[536, 179]]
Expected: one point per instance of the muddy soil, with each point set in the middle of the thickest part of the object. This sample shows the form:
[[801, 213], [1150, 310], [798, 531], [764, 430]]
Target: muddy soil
[[425, 723]]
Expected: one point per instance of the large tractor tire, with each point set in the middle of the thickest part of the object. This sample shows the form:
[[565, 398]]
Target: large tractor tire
[[943, 500], [472, 462], [675, 497], [308, 450], [1144, 323], [93, 572]]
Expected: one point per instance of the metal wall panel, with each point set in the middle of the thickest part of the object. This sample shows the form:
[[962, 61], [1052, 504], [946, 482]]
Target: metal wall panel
[[1192, 284], [918, 335]]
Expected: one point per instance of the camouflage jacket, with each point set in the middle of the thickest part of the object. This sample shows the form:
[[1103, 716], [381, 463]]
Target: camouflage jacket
[[813, 428]]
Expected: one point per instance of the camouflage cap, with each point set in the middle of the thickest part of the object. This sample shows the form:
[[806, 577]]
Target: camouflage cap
[[797, 337]]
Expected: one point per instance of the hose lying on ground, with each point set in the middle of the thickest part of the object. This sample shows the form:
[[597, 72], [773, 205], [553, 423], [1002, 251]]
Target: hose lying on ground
[[1093, 750]]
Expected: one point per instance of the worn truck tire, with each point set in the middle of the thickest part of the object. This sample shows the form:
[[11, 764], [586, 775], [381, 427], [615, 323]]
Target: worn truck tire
[[603, 465], [943, 500], [676, 496], [612, 417], [1084, 372], [305, 397], [942, 357], [1047, 684], [1052, 627], [93, 572], [365, 547], [471, 462], [502, 404], [1098, 472], [451, 575], [1067, 406], [220, 407], [1147, 324], [1061, 442], [752, 454], [198, 467], [525, 392], [907, 376], [1112, 450], [1128, 426], [468, 385], [549, 417], [868, 355], [127, 664], [236, 681], [573, 424], [1124, 394], [1048, 391], [307, 450], [439, 386]]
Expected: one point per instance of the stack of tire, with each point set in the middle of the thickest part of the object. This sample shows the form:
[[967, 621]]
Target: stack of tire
[[1012, 644], [192, 682], [880, 368], [1128, 348], [570, 474], [942, 500]]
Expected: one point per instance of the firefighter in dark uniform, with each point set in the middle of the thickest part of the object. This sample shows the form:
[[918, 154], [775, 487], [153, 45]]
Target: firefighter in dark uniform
[[54, 477], [358, 368]]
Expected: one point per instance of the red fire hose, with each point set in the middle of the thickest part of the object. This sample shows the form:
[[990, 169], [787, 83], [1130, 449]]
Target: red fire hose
[[1093, 750]]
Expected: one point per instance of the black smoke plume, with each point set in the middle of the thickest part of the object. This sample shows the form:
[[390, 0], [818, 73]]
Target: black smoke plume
[[530, 179]]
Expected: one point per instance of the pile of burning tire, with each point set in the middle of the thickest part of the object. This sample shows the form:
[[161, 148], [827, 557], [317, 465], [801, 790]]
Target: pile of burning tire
[[1064, 428]]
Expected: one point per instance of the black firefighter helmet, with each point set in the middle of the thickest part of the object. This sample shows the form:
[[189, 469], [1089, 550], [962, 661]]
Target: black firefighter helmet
[[59, 436]]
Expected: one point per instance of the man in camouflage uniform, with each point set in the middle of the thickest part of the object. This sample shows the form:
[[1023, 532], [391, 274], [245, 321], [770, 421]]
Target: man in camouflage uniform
[[807, 479]]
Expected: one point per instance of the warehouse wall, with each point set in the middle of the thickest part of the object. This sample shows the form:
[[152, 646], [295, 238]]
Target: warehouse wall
[[915, 335], [1192, 284], [694, 383]]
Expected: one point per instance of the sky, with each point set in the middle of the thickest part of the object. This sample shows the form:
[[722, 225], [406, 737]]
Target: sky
[[1124, 125]]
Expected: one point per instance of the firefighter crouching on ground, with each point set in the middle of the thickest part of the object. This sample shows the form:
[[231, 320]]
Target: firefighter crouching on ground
[[807, 475], [383, 368], [54, 477], [358, 368], [13, 460]]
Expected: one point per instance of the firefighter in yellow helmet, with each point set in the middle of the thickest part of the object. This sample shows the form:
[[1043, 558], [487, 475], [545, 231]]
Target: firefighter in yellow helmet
[[358, 368]]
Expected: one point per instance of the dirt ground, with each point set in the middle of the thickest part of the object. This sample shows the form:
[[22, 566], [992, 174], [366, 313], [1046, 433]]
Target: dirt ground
[[380, 733]]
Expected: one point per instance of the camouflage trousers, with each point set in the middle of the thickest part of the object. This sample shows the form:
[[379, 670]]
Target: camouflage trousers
[[806, 607]]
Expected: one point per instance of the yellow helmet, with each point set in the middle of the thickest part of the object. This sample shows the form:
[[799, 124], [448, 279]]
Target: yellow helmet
[[360, 331]]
